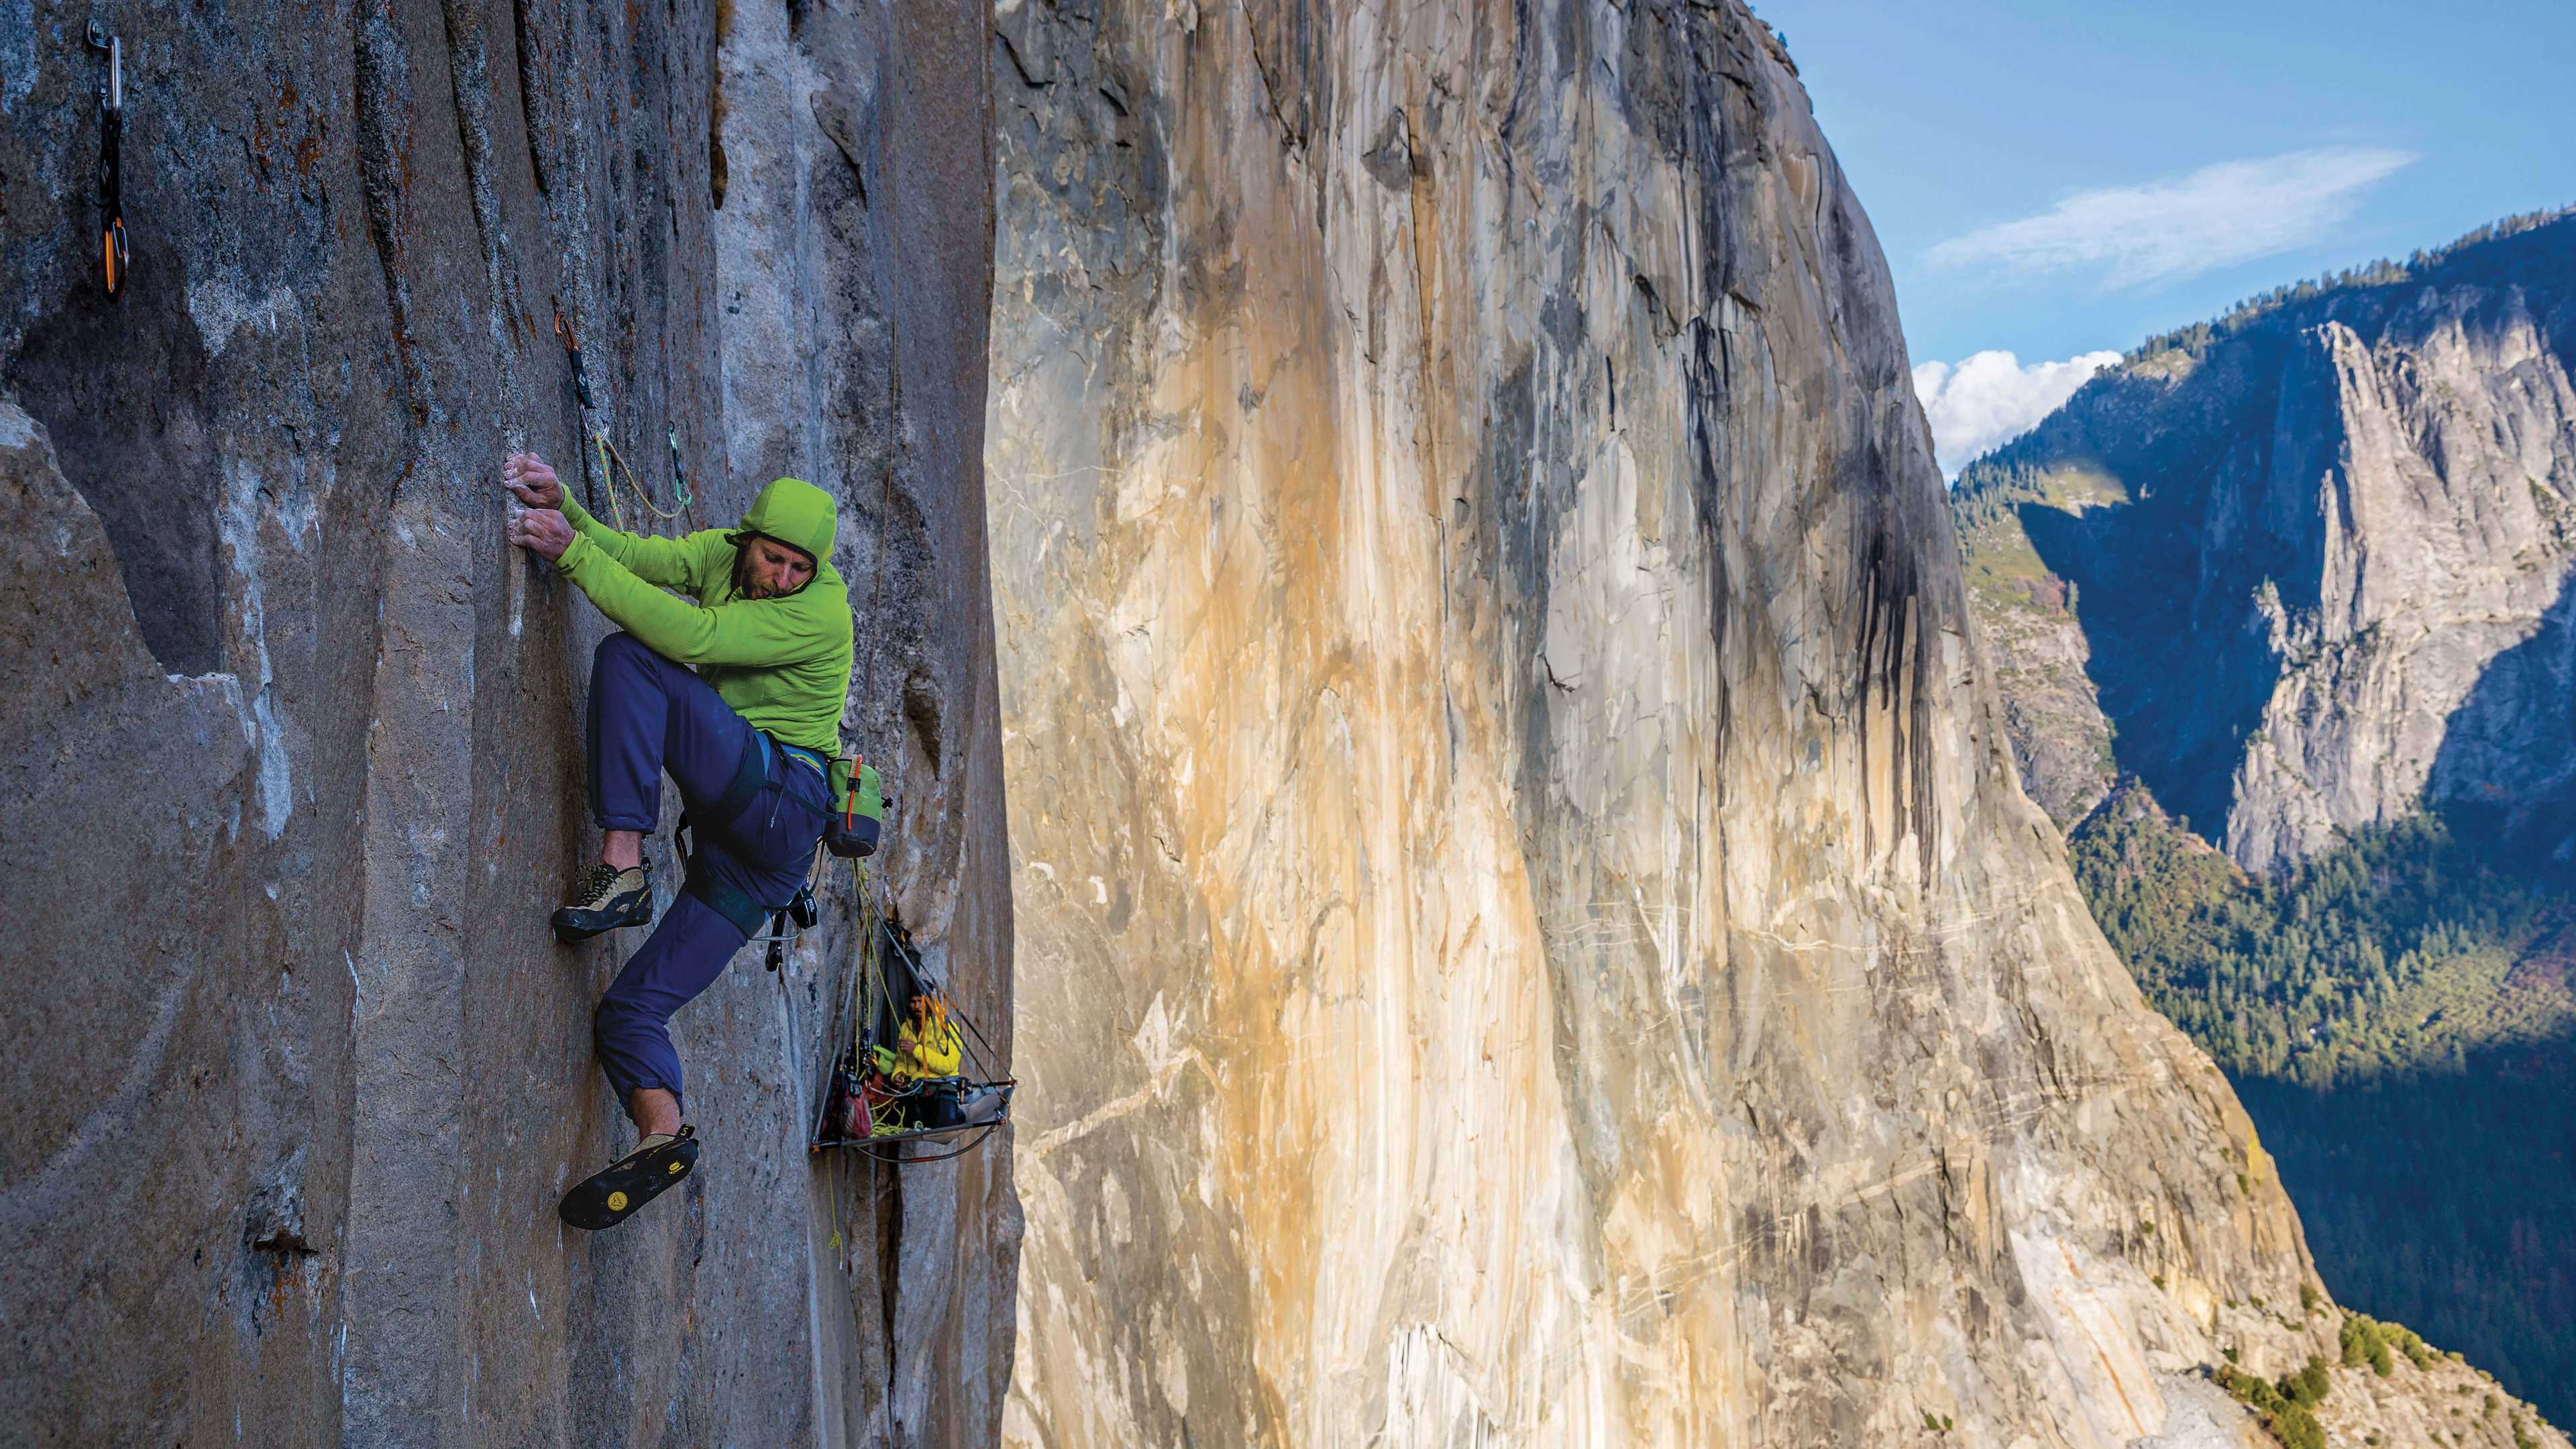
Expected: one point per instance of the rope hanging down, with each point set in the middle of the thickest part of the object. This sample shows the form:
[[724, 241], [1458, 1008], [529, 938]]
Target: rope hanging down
[[608, 455]]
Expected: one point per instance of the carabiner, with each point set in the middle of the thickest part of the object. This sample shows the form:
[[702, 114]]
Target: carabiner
[[115, 257]]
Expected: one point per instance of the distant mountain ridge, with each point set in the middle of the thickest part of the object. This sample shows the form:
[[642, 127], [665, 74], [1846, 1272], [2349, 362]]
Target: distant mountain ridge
[[2386, 271], [2307, 567], [2299, 582]]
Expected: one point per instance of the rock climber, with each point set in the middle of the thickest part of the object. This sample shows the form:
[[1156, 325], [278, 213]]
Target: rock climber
[[747, 734]]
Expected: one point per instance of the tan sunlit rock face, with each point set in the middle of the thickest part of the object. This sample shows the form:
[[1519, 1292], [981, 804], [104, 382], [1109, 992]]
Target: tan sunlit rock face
[[1528, 932]]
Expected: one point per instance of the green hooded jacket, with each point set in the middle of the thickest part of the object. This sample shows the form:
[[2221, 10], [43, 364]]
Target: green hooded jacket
[[783, 664]]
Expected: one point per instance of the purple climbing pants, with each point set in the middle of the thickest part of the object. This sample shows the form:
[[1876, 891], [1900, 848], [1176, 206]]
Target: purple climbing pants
[[755, 808]]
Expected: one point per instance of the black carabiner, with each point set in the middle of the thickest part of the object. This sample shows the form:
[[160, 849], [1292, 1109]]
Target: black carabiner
[[572, 349], [114, 257]]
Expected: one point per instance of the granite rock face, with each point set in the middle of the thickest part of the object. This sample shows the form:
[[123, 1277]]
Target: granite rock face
[[2312, 573], [1529, 933], [293, 766]]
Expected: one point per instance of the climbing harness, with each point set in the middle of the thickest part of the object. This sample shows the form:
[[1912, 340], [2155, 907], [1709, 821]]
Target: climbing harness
[[903, 1078], [803, 911], [612, 463], [112, 251]]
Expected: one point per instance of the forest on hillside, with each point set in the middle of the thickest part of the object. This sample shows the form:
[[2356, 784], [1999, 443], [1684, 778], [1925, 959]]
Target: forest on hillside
[[2196, 339], [2396, 1013]]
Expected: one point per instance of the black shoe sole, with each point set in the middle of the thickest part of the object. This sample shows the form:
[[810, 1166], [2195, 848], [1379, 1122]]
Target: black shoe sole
[[611, 1195], [574, 925]]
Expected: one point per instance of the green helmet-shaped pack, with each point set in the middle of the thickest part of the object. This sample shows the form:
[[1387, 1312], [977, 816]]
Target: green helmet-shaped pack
[[858, 809]]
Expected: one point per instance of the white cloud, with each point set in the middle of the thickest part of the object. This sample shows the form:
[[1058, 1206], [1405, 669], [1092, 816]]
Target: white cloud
[[2217, 216], [1987, 401]]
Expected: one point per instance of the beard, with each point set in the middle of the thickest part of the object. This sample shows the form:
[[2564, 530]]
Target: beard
[[745, 584]]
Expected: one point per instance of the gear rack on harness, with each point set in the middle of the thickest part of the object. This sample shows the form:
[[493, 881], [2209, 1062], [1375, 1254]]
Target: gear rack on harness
[[902, 1080]]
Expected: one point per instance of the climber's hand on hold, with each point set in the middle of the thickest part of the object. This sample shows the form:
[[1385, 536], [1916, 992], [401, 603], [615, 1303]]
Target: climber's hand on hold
[[541, 531], [528, 476]]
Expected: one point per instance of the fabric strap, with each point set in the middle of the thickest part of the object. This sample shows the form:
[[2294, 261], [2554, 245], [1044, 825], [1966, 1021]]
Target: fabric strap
[[748, 777], [727, 901]]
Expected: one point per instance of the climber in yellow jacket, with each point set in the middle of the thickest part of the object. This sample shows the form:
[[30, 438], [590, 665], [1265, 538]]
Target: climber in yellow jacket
[[747, 734]]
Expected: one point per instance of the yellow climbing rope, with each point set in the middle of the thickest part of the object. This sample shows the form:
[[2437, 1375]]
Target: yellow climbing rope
[[608, 456], [612, 462]]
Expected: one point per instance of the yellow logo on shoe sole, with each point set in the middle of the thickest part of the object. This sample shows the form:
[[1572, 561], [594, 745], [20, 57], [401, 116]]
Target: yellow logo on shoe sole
[[617, 1202], [675, 1167]]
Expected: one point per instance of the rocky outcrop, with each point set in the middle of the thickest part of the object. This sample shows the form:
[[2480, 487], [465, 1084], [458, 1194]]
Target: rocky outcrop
[[293, 767], [2311, 569], [1528, 930]]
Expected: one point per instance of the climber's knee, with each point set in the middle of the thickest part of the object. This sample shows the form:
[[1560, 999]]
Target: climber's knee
[[633, 1046], [617, 1022], [624, 735], [620, 650]]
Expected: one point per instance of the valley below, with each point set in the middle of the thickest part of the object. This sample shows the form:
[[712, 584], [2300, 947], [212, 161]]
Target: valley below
[[2396, 1015], [2280, 611]]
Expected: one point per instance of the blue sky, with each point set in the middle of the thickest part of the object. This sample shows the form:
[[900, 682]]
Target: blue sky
[[2058, 180]]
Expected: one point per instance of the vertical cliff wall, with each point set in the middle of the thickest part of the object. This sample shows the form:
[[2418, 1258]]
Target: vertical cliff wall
[[1528, 930], [293, 771], [2322, 560]]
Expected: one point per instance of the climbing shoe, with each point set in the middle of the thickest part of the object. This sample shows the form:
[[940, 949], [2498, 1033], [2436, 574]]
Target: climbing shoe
[[607, 899], [612, 1194]]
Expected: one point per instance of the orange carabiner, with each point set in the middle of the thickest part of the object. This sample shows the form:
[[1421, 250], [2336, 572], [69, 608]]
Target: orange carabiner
[[112, 258]]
